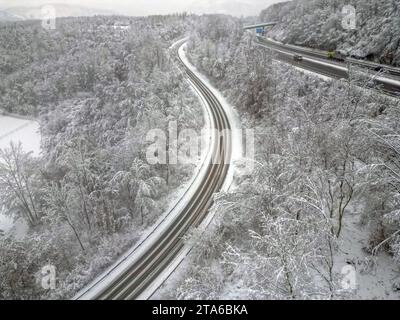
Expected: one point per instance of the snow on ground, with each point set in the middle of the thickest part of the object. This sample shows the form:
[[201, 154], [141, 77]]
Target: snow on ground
[[6, 223], [13, 129], [375, 276], [20, 130], [305, 71]]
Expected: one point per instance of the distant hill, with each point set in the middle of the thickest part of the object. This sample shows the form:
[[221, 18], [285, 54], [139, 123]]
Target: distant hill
[[35, 12], [7, 16]]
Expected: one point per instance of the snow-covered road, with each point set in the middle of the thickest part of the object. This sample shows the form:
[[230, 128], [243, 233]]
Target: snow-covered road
[[313, 62]]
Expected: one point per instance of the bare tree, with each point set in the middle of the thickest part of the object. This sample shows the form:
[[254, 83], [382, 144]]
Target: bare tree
[[18, 172]]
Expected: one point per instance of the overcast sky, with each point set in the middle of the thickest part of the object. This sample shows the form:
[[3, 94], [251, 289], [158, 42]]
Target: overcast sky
[[145, 7]]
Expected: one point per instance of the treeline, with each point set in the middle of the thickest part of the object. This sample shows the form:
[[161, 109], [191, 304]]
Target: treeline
[[42, 67], [326, 151], [97, 91]]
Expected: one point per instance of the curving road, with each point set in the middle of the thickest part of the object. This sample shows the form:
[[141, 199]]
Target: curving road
[[168, 243]]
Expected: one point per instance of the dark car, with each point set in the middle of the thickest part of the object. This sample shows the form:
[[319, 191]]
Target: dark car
[[297, 58]]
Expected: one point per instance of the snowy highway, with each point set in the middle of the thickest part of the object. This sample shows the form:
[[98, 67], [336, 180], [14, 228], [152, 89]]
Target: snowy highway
[[132, 275], [313, 61]]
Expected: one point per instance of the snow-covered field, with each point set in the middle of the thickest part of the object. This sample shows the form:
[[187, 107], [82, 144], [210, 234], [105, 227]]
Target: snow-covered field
[[18, 130], [375, 275]]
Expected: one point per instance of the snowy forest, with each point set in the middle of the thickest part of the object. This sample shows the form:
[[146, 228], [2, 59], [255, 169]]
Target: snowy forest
[[96, 92], [328, 158], [324, 193]]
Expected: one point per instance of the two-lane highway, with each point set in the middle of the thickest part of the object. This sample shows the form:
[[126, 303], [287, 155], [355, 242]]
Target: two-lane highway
[[163, 248]]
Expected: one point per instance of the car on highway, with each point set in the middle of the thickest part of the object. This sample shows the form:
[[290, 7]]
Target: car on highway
[[297, 58]]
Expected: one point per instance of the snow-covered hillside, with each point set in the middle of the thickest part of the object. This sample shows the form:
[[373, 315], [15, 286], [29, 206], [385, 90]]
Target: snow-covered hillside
[[7, 16], [318, 24], [318, 218], [61, 10], [91, 194]]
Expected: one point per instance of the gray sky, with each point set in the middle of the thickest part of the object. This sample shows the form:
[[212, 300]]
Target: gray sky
[[145, 7]]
